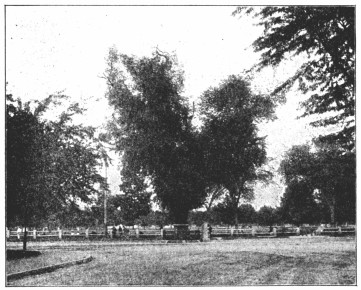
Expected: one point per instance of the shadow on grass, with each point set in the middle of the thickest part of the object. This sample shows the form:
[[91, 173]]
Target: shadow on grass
[[20, 254]]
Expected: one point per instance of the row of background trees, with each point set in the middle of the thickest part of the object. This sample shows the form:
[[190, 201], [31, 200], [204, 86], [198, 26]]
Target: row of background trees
[[297, 207], [52, 166]]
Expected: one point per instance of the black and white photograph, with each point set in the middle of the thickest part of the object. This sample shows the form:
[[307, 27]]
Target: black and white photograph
[[189, 144]]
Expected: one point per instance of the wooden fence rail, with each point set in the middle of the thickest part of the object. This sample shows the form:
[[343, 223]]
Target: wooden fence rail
[[169, 233]]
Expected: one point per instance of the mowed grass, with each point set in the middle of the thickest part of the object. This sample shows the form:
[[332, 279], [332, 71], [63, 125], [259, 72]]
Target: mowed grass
[[47, 258], [294, 261]]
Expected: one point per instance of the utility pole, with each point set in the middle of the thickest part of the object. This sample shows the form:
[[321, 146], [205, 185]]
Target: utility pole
[[105, 200]]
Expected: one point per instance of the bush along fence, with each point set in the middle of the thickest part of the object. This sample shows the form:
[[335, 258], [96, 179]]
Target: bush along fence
[[180, 232]]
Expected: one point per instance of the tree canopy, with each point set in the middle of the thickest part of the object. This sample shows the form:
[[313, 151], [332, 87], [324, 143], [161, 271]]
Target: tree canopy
[[134, 203], [325, 36], [51, 165], [299, 206], [233, 151], [330, 175], [267, 216], [152, 129]]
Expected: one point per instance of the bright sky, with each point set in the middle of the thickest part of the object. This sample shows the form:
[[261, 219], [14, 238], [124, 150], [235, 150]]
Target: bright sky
[[51, 49]]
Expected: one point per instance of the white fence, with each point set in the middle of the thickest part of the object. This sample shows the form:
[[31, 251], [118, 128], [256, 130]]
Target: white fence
[[88, 233], [151, 233], [281, 231]]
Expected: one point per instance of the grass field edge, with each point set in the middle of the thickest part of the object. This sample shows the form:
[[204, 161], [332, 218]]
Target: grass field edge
[[19, 275]]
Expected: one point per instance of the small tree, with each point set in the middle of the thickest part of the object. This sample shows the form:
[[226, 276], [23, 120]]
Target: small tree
[[51, 165]]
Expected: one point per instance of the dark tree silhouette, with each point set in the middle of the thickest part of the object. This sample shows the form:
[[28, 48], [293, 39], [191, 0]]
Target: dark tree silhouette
[[233, 151], [50, 165], [330, 174], [325, 36], [153, 132]]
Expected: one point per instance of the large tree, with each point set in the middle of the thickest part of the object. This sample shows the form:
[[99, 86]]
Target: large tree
[[51, 165], [330, 175], [152, 129], [325, 37], [233, 151]]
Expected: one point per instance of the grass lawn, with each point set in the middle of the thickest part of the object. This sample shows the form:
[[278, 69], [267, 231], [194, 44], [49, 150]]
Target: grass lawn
[[294, 261]]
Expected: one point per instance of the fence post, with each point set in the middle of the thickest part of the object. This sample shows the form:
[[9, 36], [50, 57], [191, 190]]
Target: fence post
[[18, 234], [137, 232], [339, 230], [7, 233], [232, 229], [60, 234], [298, 231], [87, 233], [253, 232], [275, 232], [162, 233], [205, 233], [111, 234], [34, 234]]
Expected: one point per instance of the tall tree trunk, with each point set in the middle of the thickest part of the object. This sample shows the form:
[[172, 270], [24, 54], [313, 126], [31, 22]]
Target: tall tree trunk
[[235, 194], [235, 211]]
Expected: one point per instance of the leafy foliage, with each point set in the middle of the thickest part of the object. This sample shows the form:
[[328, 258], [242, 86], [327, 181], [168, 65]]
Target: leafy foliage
[[267, 216], [215, 192], [212, 216], [232, 148], [132, 207], [155, 218], [24, 133], [71, 216], [152, 130], [225, 212], [299, 206], [51, 165], [329, 173], [247, 214], [325, 36]]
